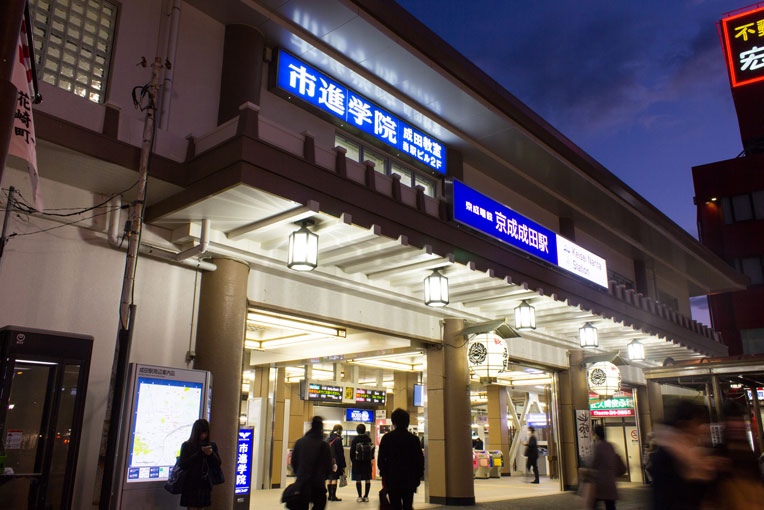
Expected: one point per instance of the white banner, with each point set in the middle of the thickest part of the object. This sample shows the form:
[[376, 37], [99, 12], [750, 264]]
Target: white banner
[[584, 434], [23, 139]]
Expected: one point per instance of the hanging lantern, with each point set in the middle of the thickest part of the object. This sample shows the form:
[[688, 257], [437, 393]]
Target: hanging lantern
[[587, 336], [303, 249], [488, 356], [636, 351], [436, 290], [525, 316], [604, 378]]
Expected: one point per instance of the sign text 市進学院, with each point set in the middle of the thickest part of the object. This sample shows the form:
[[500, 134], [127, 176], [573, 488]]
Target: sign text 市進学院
[[743, 39], [243, 461], [486, 215], [321, 91]]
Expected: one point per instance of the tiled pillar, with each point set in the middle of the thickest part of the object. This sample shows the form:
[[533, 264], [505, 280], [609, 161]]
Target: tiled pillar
[[449, 446], [220, 349], [498, 432], [300, 411], [404, 393], [278, 427], [655, 401], [573, 395]]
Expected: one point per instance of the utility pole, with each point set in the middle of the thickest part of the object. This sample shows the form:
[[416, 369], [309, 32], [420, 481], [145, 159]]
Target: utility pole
[[107, 462], [11, 14]]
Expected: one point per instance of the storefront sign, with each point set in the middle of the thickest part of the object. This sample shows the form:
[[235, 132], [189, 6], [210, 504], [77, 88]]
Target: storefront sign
[[612, 407], [584, 433], [243, 461], [537, 420], [369, 396], [359, 415], [743, 39], [324, 393], [307, 83], [759, 391], [484, 214]]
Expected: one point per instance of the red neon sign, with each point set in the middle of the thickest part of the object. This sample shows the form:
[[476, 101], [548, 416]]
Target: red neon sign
[[743, 40]]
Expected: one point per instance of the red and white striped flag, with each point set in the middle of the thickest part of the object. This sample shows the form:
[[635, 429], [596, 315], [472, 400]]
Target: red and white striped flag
[[24, 141]]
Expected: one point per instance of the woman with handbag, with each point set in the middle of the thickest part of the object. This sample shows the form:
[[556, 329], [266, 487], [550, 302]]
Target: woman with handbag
[[338, 458], [200, 460]]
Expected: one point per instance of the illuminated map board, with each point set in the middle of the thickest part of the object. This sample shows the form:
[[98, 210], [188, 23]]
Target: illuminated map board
[[164, 412]]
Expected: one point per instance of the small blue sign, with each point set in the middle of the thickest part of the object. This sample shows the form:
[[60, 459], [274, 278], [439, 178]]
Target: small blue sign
[[305, 82], [486, 215], [243, 461], [359, 415]]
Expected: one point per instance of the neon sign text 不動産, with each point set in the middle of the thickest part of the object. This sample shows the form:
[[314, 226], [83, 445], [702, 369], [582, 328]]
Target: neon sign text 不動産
[[743, 40], [307, 83], [488, 216]]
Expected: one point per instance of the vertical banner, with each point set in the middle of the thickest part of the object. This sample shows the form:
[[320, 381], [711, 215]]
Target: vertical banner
[[584, 434], [23, 139], [243, 462]]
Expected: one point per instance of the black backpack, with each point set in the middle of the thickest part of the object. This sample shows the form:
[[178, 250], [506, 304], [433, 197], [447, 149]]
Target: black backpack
[[364, 452]]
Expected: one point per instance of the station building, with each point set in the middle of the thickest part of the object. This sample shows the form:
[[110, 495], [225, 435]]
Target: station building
[[351, 124]]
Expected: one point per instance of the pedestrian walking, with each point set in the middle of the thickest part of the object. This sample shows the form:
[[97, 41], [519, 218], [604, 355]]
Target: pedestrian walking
[[312, 463], [532, 453], [361, 457], [198, 458], [338, 458], [400, 462], [606, 467]]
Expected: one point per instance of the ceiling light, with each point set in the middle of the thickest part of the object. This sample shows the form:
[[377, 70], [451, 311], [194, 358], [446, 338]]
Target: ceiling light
[[284, 322], [587, 336], [525, 316], [436, 290], [636, 351], [303, 249]]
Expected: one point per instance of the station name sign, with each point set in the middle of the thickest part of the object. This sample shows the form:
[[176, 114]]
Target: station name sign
[[488, 216], [342, 394], [307, 83], [620, 405], [743, 39]]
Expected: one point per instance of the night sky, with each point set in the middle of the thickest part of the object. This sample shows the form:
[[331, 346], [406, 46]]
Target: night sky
[[641, 86]]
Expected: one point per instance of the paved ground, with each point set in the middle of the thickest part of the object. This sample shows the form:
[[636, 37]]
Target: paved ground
[[631, 499]]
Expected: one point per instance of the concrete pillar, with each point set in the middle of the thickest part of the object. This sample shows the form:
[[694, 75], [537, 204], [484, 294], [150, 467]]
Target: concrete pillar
[[280, 396], [300, 411], [242, 73], [655, 402], [449, 445], [645, 418], [573, 395], [498, 432], [404, 393], [219, 349]]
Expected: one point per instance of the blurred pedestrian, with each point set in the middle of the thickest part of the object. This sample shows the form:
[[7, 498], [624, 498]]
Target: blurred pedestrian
[[532, 453], [338, 459], [312, 463], [198, 456], [401, 462], [606, 467], [477, 444], [361, 457], [681, 467]]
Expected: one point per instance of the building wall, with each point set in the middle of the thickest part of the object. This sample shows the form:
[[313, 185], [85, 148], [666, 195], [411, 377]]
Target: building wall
[[70, 280]]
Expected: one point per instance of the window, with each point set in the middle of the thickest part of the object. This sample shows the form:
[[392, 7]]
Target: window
[[752, 267], [752, 340], [619, 279], [743, 207], [72, 42], [668, 300], [386, 166]]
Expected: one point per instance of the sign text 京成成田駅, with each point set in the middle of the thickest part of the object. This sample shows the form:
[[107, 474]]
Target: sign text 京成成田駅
[[488, 216], [307, 83], [743, 39]]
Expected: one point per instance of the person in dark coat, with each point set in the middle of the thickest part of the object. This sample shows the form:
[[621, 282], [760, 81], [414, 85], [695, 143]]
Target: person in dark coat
[[477, 444], [338, 458], [532, 453], [197, 456], [312, 463], [360, 447], [400, 462], [606, 467]]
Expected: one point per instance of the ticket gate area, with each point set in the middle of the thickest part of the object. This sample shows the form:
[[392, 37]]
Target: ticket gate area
[[487, 464]]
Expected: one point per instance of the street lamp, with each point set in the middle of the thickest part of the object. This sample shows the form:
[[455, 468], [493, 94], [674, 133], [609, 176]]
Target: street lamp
[[303, 249], [525, 316], [436, 290], [587, 336]]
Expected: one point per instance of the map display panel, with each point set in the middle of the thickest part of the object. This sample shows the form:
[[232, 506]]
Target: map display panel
[[165, 411]]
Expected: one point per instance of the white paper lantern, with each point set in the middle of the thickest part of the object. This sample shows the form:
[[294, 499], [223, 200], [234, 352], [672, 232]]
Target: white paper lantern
[[488, 355], [604, 378]]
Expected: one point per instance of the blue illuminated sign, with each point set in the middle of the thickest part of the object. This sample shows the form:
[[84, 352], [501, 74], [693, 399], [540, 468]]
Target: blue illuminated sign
[[486, 215], [359, 415], [305, 82], [243, 461]]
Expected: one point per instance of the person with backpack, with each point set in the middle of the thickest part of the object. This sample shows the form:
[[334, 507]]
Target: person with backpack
[[198, 458], [338, 459], [312, 463], [361, 457], [400, 462]]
